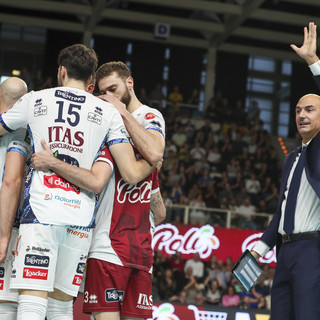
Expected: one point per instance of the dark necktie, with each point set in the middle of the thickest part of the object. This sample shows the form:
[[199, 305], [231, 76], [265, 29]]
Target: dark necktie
[[293, 193]]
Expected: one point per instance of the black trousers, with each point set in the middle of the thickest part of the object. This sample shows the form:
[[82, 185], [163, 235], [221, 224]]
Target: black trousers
[[295, 293]]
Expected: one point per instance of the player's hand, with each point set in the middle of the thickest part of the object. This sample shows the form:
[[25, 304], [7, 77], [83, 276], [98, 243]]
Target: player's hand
[[44, 159], [4, 243], [309, 47], [121, 107]]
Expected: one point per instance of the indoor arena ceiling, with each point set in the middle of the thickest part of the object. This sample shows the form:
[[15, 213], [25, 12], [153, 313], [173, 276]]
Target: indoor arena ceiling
[[260, 27]]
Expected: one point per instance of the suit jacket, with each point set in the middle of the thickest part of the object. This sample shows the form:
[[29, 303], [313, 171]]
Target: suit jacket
[[271, 236]]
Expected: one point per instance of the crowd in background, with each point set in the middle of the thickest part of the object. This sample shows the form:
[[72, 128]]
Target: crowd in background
[[229, 162], [206, 283]]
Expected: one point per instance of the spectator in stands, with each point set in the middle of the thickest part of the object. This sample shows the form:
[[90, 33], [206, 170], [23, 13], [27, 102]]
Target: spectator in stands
[[156, 95], [238, 144], [196, 265], [239, 113], [179, 299], [190, 285], [178, 213], [272, 199], [176, 191], [253, 113], [179, 137], [226, 192], [263, 288], [212, 292], [253, 300], [197, 214], [212, 112], [247, 212], [167, 285], [175, 95], [230, 298], [194, 97], [205, 178], [253, 187], [209, 195], [197, 152], [214, 157]]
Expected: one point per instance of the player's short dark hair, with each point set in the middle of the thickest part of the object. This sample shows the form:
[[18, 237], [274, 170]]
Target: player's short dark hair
[[80, 61], [108, 68]]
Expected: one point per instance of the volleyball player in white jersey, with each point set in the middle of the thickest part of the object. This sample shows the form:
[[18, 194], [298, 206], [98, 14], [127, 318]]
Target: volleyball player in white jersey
[[13, 155], [55, 224]]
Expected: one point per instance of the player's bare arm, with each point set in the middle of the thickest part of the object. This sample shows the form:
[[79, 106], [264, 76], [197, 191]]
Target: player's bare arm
[[92, 180], [309, 47], [150, 143], [10, 197], [157, 207], [131, 170]]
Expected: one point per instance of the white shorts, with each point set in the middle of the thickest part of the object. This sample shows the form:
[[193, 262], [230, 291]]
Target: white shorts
[[50, 257], [5, 270]]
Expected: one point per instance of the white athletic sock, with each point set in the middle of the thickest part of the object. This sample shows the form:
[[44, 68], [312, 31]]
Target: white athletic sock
[[59, 310], [31, 307], [8, 311]]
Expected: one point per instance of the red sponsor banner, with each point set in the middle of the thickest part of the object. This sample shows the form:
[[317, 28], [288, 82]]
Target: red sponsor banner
[[35, 273], [55, 181], [77, 280], [207, 240], [1, 284]]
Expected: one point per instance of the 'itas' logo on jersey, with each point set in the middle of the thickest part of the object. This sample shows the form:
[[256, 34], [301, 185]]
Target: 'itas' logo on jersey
[[144, 302]]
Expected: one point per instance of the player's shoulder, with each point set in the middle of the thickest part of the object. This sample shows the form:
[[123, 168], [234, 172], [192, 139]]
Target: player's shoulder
[[147, 112]]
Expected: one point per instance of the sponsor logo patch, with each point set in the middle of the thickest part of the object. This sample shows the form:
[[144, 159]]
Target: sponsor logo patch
[[55, 181], [35, 260], [77, 280], [40, 111], [113, 295], [93, 298], [70, 96], [35, 273], [149, 116], [81, 267], [1, 284], [92, 117]]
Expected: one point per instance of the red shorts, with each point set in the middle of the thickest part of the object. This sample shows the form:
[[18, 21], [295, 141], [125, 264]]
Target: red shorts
[[110, 287]]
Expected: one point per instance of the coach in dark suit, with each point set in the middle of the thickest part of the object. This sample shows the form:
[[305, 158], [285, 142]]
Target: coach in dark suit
[[295, 227]]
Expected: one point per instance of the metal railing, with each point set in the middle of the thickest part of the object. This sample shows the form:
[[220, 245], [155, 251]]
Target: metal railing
[[215, 216]]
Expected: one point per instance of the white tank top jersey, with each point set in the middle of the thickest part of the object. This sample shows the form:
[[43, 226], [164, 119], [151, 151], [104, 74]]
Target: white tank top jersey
[[75, 125]]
